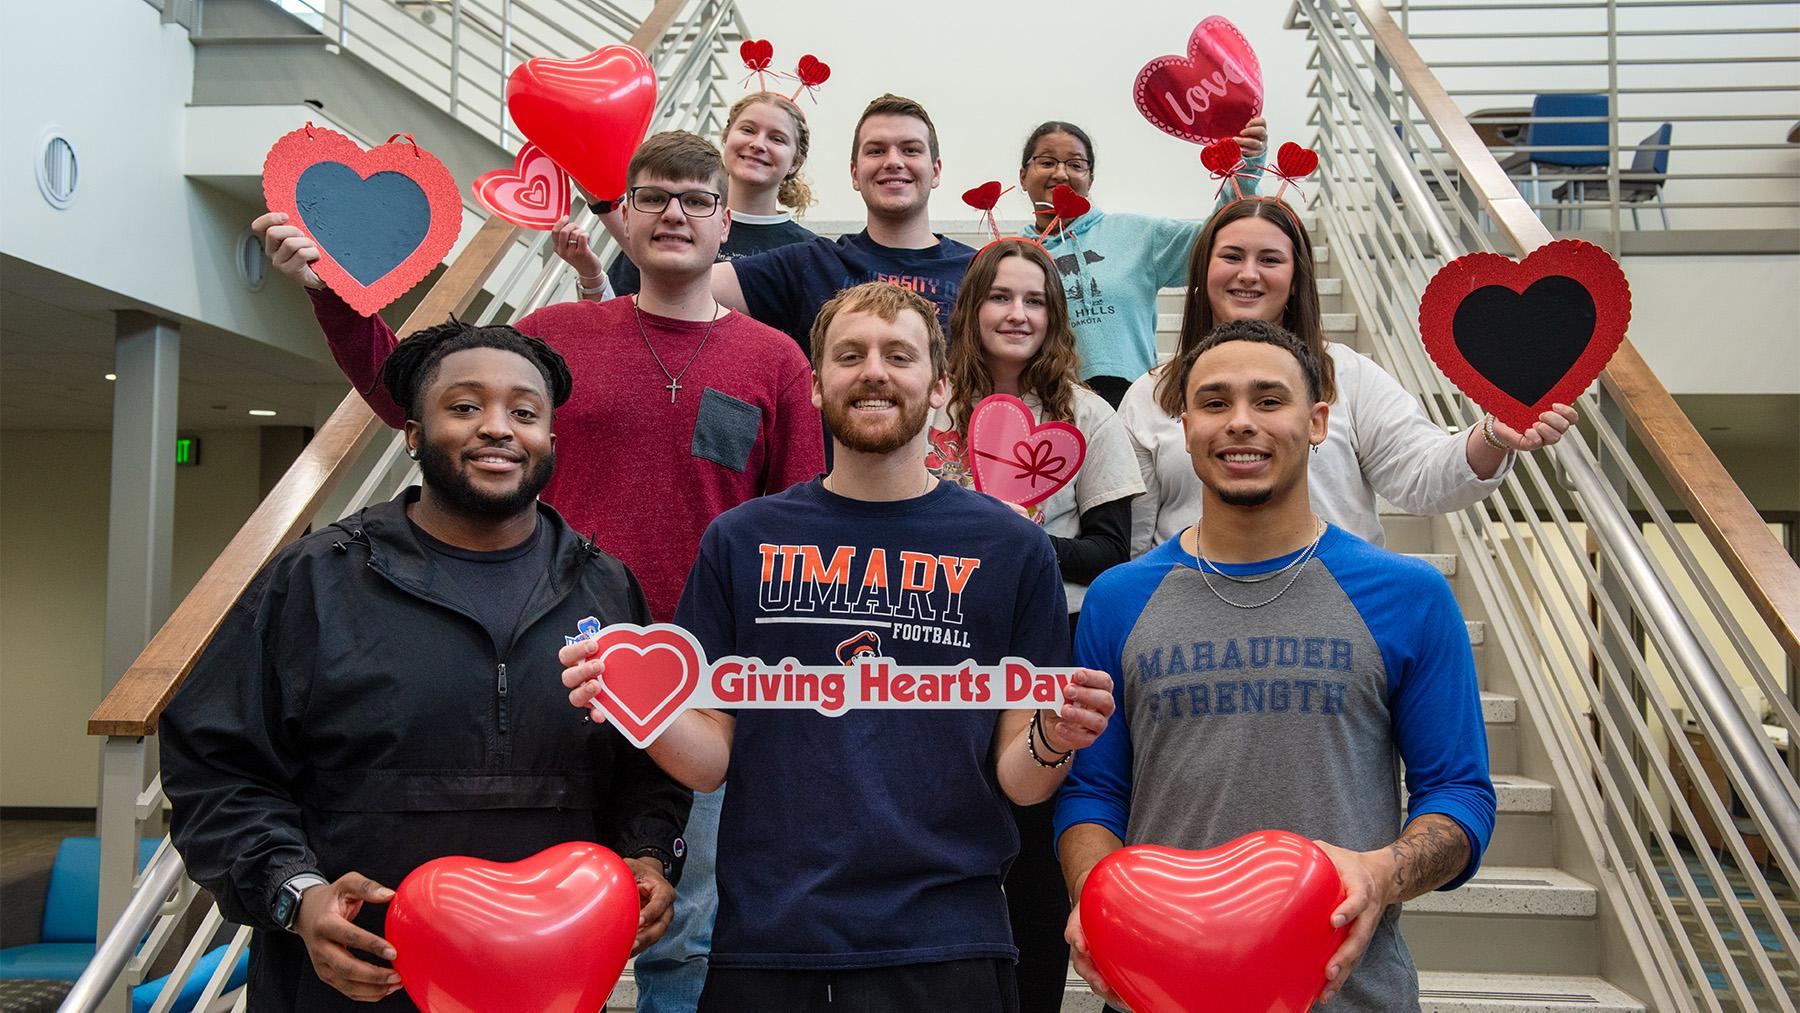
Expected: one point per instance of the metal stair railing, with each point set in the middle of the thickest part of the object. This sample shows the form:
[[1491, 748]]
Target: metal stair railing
[[459, 54], [1587, 616], [684, 40]]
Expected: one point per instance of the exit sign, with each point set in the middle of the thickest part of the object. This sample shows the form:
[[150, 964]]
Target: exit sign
[[187, 451]]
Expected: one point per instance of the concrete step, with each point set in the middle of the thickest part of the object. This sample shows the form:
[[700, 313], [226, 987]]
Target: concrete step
[[1455, 992], [1523, 834], [1506, 920], [1445, 562], [1498, 708]]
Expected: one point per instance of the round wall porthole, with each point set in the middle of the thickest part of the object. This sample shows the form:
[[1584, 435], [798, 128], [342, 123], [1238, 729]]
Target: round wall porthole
[[251, 260], [57, 172]]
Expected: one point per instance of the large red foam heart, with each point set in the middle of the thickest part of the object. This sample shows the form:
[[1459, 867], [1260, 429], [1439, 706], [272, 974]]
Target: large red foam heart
[[650, 671], [1017, 459], [1519, 336], [550, 932], [534, 193], [362, 212], [589, 114], [1241, 928], [1211, 92]]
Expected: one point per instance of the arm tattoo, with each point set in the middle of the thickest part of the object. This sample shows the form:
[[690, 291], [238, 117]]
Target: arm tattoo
[[1429, 854]]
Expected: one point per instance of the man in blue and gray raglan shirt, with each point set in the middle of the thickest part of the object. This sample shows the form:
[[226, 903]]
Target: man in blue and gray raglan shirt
[[1275, 672]]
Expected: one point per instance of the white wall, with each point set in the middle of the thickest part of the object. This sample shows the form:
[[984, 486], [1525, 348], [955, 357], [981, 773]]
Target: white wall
[[118, 89], [53, 598], [1716, 324]]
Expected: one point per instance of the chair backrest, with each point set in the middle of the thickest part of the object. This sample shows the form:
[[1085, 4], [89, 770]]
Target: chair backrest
[[1653, 162], [72, 901], [1585, 134]]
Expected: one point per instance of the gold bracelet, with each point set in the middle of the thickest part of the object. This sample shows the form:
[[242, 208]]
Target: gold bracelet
[[1488, 437]]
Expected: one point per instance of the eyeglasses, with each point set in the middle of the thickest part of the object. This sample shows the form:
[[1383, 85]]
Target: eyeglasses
[[1076, 166], [653, 200]]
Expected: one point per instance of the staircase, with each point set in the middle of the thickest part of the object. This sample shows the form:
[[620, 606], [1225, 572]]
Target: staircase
[[1590, 896]]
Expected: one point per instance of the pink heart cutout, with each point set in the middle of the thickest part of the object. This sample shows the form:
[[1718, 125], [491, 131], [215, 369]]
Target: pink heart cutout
[[533, 194], [1018, 459]]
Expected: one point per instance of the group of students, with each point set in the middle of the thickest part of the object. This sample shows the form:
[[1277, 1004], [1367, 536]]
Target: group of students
[[879, 860]]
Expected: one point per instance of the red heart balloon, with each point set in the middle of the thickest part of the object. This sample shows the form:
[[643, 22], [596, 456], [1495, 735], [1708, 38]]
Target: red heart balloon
[[1295, 162], [1521, 336], [1211, 92], [550, 932], [534, 193], [378, 234], [1068, 204], [1220, 157], [650, 671], [757, 53], [588, 114], [813, 71], [983, 197], [1241, 928]]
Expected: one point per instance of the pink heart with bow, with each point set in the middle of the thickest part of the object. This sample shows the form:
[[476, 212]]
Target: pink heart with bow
[[533, 194], [1018, 459]]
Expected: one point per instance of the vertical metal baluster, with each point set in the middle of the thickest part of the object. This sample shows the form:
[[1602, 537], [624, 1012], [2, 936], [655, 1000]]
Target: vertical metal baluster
[[505, 62], [455, 52]]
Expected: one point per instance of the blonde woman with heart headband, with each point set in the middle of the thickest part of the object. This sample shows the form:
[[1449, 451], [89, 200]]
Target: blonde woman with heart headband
[[1009, 334], [765, 143], [1254, 260], [1110, 264]]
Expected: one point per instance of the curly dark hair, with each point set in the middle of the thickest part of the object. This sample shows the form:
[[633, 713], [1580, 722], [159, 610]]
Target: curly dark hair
[[413, 365]]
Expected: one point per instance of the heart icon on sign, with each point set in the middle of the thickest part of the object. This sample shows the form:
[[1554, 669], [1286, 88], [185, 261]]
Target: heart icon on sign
[[533, 194], [1242, 927], [383, 218], [1017, 459], [549, 932], [1519, 336], [1211, 92], [649, 673]]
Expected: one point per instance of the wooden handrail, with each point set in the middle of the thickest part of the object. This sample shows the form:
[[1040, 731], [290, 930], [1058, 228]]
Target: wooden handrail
[[1768, 575], [136, 701], [138, 698]]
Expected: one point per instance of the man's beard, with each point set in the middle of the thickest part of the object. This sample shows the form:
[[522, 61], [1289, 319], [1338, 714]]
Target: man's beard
[[839, 420], [1248, 498], [461, 495]]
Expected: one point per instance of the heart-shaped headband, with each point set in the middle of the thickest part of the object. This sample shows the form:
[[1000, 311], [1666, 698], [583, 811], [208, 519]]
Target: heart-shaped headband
[[810, 72]]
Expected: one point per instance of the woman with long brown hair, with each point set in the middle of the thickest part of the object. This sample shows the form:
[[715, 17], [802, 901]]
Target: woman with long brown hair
[[1254, 261], [764, 143], [1009, 334]]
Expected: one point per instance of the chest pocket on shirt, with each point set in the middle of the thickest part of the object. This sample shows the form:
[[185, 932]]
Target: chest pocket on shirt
[[726, 430]]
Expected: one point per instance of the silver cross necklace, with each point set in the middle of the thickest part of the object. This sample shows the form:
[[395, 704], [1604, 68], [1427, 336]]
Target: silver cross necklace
[[674, 378]]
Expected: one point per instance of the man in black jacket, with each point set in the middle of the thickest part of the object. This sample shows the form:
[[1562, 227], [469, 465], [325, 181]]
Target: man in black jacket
[[385, 692]]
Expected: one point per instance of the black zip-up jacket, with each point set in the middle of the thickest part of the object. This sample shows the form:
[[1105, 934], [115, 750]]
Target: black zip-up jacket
[[353, 715]]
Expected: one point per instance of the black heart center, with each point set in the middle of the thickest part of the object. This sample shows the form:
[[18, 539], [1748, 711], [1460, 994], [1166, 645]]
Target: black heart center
[[369, 226], [1525, 342]]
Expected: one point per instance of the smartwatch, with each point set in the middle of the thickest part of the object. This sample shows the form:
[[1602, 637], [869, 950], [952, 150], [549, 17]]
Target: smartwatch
[[287, 897], [665, 858]]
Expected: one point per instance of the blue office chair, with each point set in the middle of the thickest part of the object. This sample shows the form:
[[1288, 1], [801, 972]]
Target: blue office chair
[[1639, 183], [66, 938], [1546, 134]]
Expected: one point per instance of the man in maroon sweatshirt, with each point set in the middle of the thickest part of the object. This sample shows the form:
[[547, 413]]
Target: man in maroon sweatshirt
[[683, 408]]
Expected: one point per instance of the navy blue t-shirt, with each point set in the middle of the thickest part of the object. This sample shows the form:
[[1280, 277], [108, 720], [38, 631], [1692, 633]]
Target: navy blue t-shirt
[[878, 838], [745, 239], [784, 288]]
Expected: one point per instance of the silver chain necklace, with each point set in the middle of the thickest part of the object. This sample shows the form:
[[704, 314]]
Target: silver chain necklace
[[674, 378], [1301, 561]]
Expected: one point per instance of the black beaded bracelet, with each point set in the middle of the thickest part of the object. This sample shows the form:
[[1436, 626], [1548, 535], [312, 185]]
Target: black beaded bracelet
[[1036, 730]]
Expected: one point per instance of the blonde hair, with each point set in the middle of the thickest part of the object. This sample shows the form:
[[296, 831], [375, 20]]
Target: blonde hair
[[887, 301], [794, 191]]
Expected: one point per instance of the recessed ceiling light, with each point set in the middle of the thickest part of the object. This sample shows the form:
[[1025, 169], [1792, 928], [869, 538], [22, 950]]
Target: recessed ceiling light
[[261, 412], [112, 376]]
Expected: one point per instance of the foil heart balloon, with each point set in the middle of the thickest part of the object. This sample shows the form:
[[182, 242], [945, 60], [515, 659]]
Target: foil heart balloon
[[1241, 928], [1211, 92], [588, 114], [1017, 459], [550, 932]]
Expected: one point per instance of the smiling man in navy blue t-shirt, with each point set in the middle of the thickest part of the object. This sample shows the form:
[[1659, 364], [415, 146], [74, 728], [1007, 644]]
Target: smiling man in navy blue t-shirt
[[860, 857], [894, 164]]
